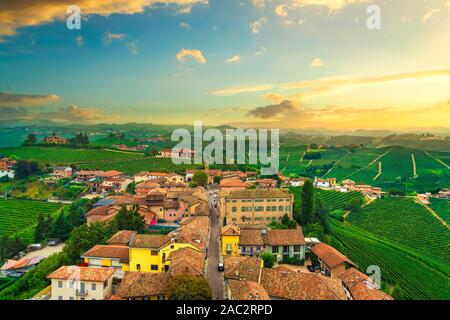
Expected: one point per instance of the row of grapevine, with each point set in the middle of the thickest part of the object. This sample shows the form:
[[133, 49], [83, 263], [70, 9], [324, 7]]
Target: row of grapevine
[[418, 277], [336, 200], [404, 221], [18, 215]]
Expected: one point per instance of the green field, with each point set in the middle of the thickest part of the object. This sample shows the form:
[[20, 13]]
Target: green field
[[336, 200], [137, 165], [406, 222], [20, 216], [417, 276], [441, 207], [57, 155]]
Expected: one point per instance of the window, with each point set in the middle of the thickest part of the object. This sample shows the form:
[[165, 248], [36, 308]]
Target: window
[[280, 208], [274, 208], [297, 248], [60, 284], [297, 256], [234, 219], [268, 208], [93, 286], [274, 249], [285, 248], [234, 209], [71, 284], [138, 267], [154, 252], [288, 208], [244, 209], [154, 267], [228, 247], [258, 248], [243, 249]]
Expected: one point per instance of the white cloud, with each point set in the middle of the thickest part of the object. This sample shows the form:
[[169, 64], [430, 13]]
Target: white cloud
[[234, 59], [256, 26], [317, 63], [261, 51], [197, 55], [110, 37], [242, 89], [281, 10], [79, 40], [333, 5], [260, 4], [301, 21], [185, 25], [429, 14]]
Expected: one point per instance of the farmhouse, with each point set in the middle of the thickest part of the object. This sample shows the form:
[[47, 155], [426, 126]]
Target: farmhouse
[[331, 261], [61, 172], [7, 168], [54, 139]]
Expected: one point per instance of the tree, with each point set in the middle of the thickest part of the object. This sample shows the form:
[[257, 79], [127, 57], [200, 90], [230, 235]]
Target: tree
[[84, 238], [268, 259], [285, 220], [77, 212], [353, 205], [43, 227], [200, 178], [313, 230], [187, 287], [26, 168], [128, 220], [307, 204], [30, 140], [321, 214], [61, 228]]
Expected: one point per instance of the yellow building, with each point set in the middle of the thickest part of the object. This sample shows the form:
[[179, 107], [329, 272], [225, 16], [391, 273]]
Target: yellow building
[[230, 240], [149, 253], [108, 256], [255, 206]]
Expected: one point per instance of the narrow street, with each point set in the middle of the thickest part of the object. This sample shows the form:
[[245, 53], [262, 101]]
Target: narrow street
[[215, 277]]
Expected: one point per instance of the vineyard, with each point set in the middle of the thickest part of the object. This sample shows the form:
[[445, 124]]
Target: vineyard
[[404, 221], [336, 200], [417, 277], [55, 155], [136, 165], [20, 216], [441, 207]]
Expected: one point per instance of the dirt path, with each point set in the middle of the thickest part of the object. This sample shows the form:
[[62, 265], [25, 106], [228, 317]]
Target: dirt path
[[371, 163], [380, 171], [435, 214], [414, 165], [438, 160]]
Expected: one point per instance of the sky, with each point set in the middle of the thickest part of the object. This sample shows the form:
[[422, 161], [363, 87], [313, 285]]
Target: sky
[[300, 64]]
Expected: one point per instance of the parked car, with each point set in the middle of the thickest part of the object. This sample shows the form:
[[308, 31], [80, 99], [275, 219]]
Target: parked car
[[53, 242], [310, 268], [220, 267]]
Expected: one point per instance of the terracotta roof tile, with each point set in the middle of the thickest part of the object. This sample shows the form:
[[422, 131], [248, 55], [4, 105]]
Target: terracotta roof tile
[[232, 182], [251, 237], [301, 286], [247, 290], [359, 286], [187, 261], [140, 284], [122, 237], [242, 268], [329, 255], [230, 230], [111, 251], [82, 273], [148, 241], [284, 237]]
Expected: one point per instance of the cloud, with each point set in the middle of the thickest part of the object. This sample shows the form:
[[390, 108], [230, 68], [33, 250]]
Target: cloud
[[317, 63], [18, 14], [18, 99], [185, 25], [273, 110], [332, 5], [72, 114], [110, 37], [14, 113], [281, 10], [243, 89], [234, 59], [256, 26], [261, 51], [429, 14], [260, 4], [133, 46], [197, 55], [80, 41]]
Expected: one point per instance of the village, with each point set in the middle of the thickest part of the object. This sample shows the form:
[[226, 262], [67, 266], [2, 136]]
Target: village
[[222, 230]]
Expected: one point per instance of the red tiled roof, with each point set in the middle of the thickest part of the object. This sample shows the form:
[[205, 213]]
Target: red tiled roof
[[231, 182], [82, 273], [230, 230], [140, 284], [242, 268], [247, 290], [108, 251], [359, 286], [122, 237], [329, 255]]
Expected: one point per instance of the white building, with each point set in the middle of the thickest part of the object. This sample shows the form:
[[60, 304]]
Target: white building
[[81, 283]]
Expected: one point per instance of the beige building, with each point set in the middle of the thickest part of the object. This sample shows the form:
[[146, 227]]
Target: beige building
[[81, 283], [255, 206]]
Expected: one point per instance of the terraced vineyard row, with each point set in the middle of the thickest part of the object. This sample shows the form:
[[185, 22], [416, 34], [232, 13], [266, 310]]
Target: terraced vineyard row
[[441, 207], [336, 200], [418, 277], [136, 165], [56, 155], [19, 215], [406, 222]]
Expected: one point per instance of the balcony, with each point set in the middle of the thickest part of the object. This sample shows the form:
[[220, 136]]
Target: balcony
[[81, 293]]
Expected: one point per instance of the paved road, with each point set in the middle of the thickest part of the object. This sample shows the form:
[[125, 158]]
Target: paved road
[[215, 277]]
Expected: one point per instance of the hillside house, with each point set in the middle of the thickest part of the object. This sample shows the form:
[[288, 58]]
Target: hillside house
[[7, 167], [331, 261]]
